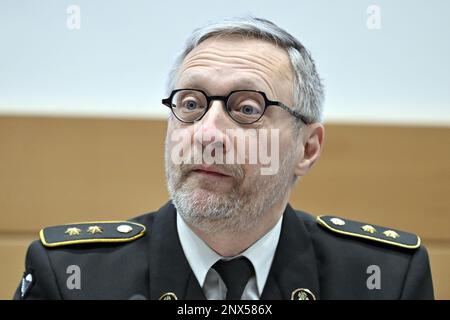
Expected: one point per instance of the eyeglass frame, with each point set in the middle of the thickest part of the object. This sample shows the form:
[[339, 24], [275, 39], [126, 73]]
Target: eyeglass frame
[[209, 99]]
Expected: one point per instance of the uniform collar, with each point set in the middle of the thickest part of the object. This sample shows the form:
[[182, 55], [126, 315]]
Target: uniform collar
[[294, 264], [201, 257]]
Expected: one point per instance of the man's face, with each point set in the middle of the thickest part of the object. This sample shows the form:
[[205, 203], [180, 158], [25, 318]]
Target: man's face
[[232, 196]]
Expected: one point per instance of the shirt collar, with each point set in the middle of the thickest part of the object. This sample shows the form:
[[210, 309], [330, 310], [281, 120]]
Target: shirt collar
[[201, 257]]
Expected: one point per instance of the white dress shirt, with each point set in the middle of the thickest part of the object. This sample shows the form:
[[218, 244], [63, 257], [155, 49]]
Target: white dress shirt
[[201, 258]]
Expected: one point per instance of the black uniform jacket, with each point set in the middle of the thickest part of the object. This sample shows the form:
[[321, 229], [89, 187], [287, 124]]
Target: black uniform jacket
[[312, 261]]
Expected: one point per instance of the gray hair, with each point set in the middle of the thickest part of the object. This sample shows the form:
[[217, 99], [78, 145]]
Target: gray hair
[[308, 89]]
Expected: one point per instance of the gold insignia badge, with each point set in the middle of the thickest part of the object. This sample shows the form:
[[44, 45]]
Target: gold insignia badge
[[168, 296], [368, 228], [94, 229], [337, 221], [391, 234], [302, 294], [73, 231]]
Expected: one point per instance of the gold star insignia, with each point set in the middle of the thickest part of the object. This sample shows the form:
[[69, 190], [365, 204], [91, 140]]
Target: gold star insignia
[[391, 234], [94, 229], [368, 228], [73, 231]]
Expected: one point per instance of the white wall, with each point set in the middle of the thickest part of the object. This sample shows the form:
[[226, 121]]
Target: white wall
[[116, 63]]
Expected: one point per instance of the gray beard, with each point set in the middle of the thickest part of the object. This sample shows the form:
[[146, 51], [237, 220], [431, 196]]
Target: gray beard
[[235, 212]]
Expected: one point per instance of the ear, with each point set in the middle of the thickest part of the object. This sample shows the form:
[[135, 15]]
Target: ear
[[312, 144]]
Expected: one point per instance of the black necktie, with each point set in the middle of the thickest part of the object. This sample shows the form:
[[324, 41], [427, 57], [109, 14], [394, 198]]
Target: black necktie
[[235, 274]]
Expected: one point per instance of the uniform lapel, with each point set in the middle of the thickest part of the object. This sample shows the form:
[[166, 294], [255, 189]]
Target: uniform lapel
[[294, 265], [169, 269]]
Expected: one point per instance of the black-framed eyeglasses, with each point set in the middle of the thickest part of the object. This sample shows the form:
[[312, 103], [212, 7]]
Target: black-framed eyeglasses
[[243, 106]]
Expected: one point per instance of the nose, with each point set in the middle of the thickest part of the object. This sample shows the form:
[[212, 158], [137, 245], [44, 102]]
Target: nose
[[211, 129]]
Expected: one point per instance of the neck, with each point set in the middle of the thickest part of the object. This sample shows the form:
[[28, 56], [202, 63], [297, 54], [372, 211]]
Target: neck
[[232, 244]]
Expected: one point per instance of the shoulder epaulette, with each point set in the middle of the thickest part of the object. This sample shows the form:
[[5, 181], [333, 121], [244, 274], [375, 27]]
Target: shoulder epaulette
[[91, 232], [369, 231]]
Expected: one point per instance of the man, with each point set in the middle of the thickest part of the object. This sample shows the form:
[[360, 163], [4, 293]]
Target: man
[[228, 232]]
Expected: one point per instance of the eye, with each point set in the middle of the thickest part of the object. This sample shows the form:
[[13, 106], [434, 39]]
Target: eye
[[190, 105], [249, 109]]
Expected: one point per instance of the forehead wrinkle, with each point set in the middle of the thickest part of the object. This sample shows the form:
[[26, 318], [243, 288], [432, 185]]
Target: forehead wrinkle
[[272, 63], [197, 78], [236, 55]]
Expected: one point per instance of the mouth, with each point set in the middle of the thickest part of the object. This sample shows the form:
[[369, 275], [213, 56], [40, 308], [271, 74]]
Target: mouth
[[210, 171]]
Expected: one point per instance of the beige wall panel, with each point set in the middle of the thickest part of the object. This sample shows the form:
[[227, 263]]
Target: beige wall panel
[[58, 170], [440, 268], [394, 176]]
